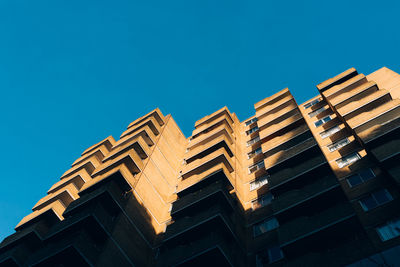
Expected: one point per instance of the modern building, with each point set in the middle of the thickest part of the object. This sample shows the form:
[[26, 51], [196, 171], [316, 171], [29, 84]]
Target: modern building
[[315, 184]]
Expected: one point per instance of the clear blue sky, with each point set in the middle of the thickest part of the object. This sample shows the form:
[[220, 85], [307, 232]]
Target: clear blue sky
[[73, 72]]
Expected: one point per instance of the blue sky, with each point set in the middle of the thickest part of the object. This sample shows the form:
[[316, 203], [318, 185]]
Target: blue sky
[[73, 72]]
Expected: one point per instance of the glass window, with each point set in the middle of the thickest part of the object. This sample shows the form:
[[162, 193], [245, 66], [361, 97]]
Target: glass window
[[376, 199], [316, 112], [252, 141], [389, 230], [265, 226], [262, 201], [257, 166], [366, 174], [360, 177], [270, 255], [258, 183], [275, 253], [322, 121], [254, 152], [312, 103], [251, 121], [338, 144], [330, 131], [252, 130], [347, 160]]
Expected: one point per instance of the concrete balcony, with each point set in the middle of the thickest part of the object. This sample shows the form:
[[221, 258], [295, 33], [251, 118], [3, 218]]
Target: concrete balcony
[[184, 254], [200, 176], [289, 153], [272, 99], [353, 95], [151, 122], [387, 150], [338, 79], [295, 170], [100, 152], [269, 109], [108, 143], [202, 164], [90, 164], [214, 116], [279, 116], [205, 138], [377, 116], [380, 125], [156, 114], [302, 227], [279, 140], [345, 86], [215, 214], [224, 119], [367, 103], [53, 210], [128, 164], [264, 133], [78, 180], [66, 195], [138, 144], [145, 132], [207, 148], [293, 198], [218, 187]]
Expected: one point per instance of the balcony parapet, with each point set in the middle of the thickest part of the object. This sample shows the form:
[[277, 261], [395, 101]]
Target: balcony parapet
[[188, 223], [304, 226], [224, 119], [379, 126], [289, 153], [218, 156], [374, 117], [145, 132], [264, 133], [108, 143], [223, 140], [150, 122], [357, 93], [201, 194], [66, 195], [100, 153], [214, 116], [342, 77], [291, 173], [295, 197], [279, 140], [138, 144], [364, 103], [182, 253], [54, 209], [79, 179], [90, 164], [277, 117], [275, 107], [345, 86], [201, 140], [156, 113], [272, 99]]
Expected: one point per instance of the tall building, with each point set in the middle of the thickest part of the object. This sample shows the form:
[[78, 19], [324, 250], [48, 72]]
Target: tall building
[[315, 184]]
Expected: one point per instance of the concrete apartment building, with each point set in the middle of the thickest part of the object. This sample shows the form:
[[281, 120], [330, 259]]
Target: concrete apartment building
[[315, 184]]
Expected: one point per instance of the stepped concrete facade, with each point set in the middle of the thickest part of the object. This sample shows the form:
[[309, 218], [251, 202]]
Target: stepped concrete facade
[[311, 184]]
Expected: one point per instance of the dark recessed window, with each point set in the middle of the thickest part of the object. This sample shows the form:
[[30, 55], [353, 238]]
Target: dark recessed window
[[376, 199]]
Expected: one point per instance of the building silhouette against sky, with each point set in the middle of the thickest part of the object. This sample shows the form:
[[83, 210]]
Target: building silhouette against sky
[[315, 184]]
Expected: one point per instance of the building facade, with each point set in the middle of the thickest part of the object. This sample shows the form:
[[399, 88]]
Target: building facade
[[315, 184]]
